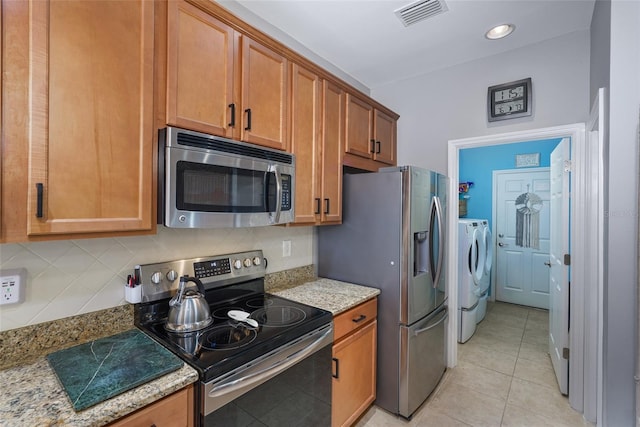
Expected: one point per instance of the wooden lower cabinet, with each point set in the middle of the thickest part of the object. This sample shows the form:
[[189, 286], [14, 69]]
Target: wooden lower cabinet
[[354, 358], [175, 410]]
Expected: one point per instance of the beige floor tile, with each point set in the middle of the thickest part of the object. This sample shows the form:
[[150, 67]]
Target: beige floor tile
[[502, 333], [538, 314], [513, 309], [469, 406], [377, 417], [536, 352], [537, 372], [493, 343], [543, 400], [537, 325], [432, 418], [515, 416], [504, 319], [483, 380], [498, 321], [487, 358], [536, 337]]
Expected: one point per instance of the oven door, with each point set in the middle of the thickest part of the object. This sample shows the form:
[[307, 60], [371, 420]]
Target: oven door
[[289, 386], [211, 189]]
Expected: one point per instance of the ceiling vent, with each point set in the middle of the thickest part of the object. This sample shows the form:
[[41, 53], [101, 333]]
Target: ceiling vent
[[420, 10]]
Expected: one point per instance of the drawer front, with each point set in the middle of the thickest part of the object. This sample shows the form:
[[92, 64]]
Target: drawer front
[[354, 318], [171, 411]]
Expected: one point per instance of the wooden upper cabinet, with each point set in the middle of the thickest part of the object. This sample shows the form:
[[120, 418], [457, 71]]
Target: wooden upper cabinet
[[90, 116], [370, 135], [200, 71], [359, 139], [317, 127], [305, 142], [264, 95], [333, 125], [384, 135]]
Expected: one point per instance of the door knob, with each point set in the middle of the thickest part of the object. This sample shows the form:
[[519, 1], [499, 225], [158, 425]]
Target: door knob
[[501, 235], [502, 244], [548, 264]]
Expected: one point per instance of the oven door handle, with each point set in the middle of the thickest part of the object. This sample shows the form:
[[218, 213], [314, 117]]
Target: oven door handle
[[275, 217], [232, 385]]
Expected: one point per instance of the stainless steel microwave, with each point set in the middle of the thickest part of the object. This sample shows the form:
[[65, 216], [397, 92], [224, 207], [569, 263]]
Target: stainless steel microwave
[[207, 181]]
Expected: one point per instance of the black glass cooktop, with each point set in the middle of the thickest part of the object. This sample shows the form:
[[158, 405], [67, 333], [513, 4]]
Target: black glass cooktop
[[227, 343]]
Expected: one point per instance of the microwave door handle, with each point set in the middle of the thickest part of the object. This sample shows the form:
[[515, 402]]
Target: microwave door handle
[[275, 218]]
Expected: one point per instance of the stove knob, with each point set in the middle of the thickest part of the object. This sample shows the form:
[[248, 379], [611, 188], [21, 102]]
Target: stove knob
[[156, 277], [172, 275], [237, 264], [247, 262], [257, 260]]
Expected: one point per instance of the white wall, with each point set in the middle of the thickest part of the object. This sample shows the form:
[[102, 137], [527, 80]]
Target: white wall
[[70, 277], [621, 221], [452, 103], [257, 22]]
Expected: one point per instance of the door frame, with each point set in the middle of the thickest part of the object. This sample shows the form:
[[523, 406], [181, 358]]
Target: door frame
[[581, 187], [494, 205]]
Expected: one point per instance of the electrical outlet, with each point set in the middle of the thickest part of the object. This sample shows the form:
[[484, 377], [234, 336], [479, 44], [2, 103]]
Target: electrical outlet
[[286, 248], [12, 283]]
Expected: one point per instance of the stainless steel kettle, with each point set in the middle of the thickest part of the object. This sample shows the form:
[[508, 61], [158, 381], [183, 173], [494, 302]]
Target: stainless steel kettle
[[189, 310]]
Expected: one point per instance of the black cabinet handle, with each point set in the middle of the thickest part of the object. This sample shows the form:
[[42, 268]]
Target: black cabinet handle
[[233, 115], [377, 147], [373, 145], [317, 205], [337, 362], [326, 206], [40, 190], [359, 318], [248, 111]]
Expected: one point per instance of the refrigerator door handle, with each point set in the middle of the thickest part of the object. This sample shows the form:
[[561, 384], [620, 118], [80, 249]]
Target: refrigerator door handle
[[437, 208], [419, 331]]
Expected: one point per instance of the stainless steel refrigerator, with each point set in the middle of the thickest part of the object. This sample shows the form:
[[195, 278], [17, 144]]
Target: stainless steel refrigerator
[[393, 237]]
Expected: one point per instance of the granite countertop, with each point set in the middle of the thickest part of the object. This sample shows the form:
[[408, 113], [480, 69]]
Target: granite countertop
[[328, 294], [33, 396]]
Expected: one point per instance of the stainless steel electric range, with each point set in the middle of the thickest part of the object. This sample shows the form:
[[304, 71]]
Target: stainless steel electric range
[[275, 372]]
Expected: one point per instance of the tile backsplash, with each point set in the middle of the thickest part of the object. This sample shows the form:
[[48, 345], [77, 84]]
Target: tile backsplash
[[70, 277]]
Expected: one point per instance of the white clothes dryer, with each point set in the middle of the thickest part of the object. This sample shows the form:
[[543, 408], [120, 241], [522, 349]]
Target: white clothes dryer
[[470, 270], [485, 281]]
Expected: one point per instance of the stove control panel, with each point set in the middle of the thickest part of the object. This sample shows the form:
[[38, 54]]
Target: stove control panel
[[212, 268], [161, 280]]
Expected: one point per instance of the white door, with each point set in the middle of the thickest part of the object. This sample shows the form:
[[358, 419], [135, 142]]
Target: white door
[[558, 266], [522, 236]]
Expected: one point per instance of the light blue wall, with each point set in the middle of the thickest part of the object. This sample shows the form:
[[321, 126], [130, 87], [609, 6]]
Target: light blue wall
[[477, 165]]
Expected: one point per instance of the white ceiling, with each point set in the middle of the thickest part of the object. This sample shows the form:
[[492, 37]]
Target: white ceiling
[[366, 40]]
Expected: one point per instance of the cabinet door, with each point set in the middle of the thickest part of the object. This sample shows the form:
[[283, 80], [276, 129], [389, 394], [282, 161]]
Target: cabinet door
[[359, 139], [354, 389], [200, 76], [385, 137], [171, 411], [91, 116], [305, 142], [264, 95], [332, 142]]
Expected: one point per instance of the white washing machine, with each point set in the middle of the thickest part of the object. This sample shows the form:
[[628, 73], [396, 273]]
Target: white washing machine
[[470, 270], [485, 281]]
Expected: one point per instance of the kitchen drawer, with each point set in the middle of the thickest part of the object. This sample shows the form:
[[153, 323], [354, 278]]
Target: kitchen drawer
[[352, 319], [171, 411]]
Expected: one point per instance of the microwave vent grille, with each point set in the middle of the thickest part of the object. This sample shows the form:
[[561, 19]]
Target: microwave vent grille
[[233, 148]]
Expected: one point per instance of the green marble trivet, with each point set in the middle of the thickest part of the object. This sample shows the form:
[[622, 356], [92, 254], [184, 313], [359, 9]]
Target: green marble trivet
[[98, 370]]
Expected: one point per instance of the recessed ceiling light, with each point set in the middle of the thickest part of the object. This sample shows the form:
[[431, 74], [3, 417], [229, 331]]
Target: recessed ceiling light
[[500, 31]]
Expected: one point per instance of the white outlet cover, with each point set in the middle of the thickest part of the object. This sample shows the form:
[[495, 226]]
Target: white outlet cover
[[286, 248], [12, 284]]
